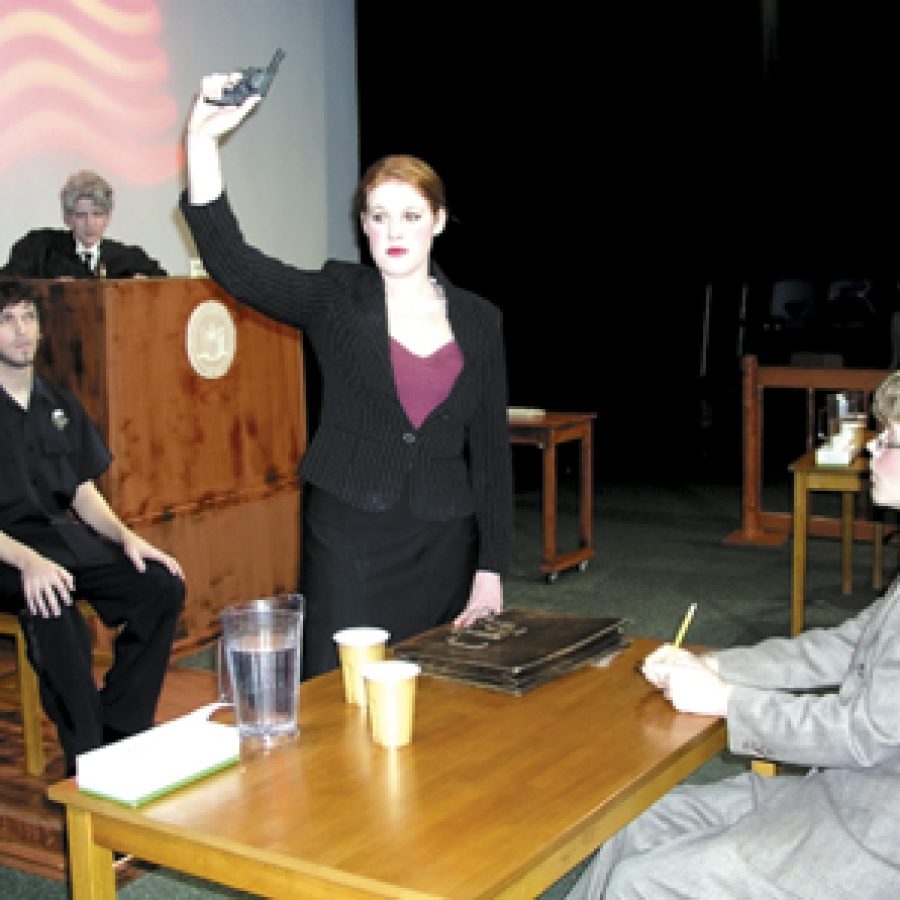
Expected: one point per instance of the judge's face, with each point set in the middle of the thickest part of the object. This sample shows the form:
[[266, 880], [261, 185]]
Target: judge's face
[[87, 221], [20, 332], [400, 226], [884, 468]]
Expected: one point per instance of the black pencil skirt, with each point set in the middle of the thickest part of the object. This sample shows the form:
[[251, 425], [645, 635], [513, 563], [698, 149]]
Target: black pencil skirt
[[387, 569]]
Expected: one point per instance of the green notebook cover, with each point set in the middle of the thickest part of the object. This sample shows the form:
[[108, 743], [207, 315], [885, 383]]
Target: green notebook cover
[[141, 768]]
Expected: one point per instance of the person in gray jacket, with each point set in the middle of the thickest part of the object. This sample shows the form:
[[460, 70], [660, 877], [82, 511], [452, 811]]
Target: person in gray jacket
[[827, 700]]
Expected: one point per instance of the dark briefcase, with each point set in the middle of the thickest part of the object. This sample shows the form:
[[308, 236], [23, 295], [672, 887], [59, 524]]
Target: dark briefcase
[[515, 650]]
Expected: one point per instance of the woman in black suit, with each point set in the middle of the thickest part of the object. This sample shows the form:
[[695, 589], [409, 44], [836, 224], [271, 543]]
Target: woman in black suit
[[408, 481]]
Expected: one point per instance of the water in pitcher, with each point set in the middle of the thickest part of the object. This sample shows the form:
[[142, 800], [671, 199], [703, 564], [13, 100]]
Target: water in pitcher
[[263, 651], [265, 681]]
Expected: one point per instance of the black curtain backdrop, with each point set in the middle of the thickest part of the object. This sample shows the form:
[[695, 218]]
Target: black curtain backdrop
[[603, 165]]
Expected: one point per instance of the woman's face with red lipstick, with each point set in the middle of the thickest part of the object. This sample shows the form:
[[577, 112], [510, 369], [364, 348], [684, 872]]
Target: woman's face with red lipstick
[[400, 226]]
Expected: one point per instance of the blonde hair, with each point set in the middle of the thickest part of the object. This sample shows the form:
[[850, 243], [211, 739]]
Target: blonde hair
[[86, 185], [410, 170], [886, 401]]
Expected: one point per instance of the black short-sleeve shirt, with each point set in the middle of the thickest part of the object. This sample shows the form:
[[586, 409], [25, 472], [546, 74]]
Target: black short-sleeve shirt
[[47, 451]]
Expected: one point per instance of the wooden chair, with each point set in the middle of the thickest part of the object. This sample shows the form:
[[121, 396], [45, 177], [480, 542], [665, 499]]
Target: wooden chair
[[22, 688], [25, 692]]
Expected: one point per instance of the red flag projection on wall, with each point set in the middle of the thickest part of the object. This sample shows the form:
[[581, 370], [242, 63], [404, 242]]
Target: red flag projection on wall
[[87, 76]]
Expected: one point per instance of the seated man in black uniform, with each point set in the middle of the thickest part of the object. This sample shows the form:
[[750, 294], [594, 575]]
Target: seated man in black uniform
[[60, 540], [81, 251]]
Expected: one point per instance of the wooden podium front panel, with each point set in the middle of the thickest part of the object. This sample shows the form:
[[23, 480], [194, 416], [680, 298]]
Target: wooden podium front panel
[[180, 442], [231, 554], [72, 351]]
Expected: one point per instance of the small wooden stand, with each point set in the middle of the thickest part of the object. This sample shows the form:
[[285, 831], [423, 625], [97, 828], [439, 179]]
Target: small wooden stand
[[546, 431]]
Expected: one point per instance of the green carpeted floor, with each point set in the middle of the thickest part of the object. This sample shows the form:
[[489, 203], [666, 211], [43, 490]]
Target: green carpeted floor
[[659, 548]]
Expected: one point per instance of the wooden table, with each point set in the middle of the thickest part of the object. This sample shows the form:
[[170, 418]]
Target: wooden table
[[848, 480], [547, 431], [759, 526], [497, 796]]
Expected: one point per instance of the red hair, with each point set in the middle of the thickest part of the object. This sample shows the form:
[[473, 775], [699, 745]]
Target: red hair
[[408, 169]]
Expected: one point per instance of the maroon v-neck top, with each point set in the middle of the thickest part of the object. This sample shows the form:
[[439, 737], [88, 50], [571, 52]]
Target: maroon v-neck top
[[423, 382]]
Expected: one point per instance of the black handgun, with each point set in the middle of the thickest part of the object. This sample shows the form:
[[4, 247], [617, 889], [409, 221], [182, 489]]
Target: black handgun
[[254, 80]]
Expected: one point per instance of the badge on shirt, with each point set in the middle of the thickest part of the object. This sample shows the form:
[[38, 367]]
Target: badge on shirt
[[59, 419]]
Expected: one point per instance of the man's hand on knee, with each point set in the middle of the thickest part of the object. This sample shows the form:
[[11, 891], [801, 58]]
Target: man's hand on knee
[[47, 586]]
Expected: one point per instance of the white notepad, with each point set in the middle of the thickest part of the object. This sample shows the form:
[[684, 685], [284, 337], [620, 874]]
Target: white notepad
[[138, 769], [525, 412]]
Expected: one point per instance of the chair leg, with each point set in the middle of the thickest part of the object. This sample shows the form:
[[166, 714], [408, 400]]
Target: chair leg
[[29, 697], [31, 710]]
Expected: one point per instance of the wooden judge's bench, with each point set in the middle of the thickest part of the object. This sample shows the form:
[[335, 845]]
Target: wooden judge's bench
[[202, 404]]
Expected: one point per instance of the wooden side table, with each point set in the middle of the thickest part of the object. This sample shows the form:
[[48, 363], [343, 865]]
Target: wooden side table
[[547, 431], [849, 481]]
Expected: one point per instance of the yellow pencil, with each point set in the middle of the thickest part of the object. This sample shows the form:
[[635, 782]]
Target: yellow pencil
[[684, 625]]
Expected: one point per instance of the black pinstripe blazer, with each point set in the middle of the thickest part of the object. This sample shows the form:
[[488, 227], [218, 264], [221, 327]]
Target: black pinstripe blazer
[[364, 449]]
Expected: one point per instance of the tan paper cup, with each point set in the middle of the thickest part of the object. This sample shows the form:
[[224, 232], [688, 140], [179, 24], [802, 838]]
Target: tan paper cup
[[391, 689], [356, 647]]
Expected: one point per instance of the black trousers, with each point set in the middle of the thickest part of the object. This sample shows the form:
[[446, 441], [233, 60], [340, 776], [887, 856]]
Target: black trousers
[[387, 569], [145, 607]]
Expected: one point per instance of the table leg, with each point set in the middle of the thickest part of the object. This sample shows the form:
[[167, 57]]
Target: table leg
[[587, 487], [847, 542], [91, 874], [549, 511], [798, 561]]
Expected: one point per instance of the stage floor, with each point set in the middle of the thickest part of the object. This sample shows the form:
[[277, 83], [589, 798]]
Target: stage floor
[[32, 833]]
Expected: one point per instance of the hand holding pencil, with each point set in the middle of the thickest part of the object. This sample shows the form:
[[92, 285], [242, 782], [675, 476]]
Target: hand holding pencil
[[655, 667], [688, 682]]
